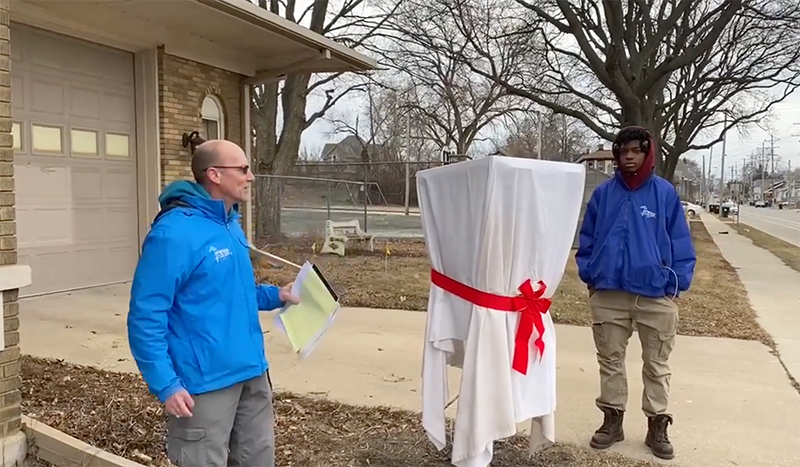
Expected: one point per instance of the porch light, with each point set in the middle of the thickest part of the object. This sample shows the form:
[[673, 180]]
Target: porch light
[[192, 139]]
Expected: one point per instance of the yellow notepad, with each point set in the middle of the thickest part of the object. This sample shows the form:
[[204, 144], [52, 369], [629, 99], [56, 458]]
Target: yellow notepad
[[306, 322]]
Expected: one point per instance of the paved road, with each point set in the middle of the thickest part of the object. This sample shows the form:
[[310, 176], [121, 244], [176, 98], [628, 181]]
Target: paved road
[[301, 221], [784, 223]]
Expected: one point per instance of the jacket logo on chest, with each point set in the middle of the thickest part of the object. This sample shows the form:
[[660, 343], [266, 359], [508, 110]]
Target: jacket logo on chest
[[219, 255], [646, 213]]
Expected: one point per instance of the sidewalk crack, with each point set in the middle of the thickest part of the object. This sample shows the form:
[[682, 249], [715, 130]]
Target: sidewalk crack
[[774, 351]]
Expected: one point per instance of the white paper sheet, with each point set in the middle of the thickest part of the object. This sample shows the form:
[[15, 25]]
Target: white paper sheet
[[306, 323], [491, 224]]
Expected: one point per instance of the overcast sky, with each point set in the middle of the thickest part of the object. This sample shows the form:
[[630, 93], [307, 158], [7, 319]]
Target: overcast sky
[[738, 148], [787, 147]]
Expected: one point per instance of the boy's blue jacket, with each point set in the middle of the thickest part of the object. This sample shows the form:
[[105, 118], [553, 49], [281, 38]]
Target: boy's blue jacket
[[637, 241], [193, 318]]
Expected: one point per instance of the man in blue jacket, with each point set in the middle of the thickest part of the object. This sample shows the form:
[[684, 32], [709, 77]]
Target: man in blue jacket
[[193, 322], [636, 256]]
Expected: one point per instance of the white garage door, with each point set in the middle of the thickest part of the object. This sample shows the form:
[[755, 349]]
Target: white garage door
[[75, 161]]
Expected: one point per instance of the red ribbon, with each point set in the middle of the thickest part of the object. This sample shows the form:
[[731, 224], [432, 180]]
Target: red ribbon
[[529, 304]]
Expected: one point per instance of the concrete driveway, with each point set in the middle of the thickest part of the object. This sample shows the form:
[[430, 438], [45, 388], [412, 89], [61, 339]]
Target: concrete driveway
[[732, 401]]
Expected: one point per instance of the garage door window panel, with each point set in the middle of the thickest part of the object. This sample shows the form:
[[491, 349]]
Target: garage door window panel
[[84, 143], [118, 146], [47, 140], [18, 142]]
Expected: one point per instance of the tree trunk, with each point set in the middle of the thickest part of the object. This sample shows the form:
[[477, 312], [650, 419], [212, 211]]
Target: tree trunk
[[269, 193], [671, 163], [277, 158], [267, 200]]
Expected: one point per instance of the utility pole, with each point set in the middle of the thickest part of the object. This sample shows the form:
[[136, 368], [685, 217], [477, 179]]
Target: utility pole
[[703, 183], [790, 182], [539, 149], [564, 136], [752, 173], [741, 190], [709, 179], [408, 162], [722, 169], [772, 151]]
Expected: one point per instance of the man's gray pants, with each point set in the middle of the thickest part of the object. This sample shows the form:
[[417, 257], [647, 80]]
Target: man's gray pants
[[239, 418]]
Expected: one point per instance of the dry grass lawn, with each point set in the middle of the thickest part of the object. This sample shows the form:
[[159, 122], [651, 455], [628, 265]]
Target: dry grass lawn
[[716, 305], [788, 253], [114, 411]]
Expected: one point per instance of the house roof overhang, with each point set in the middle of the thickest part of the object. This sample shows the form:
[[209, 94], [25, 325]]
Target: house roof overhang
[[235, 35]]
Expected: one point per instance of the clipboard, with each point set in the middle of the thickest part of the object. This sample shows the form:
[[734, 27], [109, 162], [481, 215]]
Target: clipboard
[[305, 323]]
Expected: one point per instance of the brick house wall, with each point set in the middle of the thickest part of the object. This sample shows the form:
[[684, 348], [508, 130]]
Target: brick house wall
[[10, 379], [182, 86]]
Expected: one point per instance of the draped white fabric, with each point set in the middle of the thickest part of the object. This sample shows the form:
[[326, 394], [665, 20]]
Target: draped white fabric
[[491, 224]]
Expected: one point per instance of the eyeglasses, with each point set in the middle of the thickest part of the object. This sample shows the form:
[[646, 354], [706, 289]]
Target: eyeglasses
[[243, 168]]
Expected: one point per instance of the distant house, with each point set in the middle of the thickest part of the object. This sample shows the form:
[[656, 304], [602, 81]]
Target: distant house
[[685, 183], [600, 159], [783, 191], [351, 149], [763, 189]]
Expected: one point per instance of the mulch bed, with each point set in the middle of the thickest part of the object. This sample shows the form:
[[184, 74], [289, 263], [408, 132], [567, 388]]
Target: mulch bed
[[715, 306], [115, 412]]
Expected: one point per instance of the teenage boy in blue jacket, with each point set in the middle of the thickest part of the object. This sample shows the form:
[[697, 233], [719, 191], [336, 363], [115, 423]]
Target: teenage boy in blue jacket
[[193, 322], [636, 256]]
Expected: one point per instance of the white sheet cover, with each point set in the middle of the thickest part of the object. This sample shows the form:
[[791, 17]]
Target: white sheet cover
[[491, 224]]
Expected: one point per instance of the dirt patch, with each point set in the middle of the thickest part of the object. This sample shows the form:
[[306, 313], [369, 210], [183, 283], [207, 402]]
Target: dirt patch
[[788, 253], [716, 304], [115, 412], [398, 280]]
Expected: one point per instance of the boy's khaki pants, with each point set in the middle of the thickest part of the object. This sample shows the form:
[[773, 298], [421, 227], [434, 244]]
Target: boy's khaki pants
[[613, 316]]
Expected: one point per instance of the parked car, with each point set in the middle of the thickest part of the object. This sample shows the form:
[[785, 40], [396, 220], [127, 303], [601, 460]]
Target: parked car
[[733, 208], [691, 209]]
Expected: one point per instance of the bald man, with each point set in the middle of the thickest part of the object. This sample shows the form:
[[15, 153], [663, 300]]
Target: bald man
[[193, 322]]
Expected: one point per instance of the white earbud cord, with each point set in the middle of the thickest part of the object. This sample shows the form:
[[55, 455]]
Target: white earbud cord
[[674, 294]]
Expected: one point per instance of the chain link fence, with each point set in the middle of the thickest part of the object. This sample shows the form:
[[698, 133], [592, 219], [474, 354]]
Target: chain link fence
[[381, 196], [594, 178]]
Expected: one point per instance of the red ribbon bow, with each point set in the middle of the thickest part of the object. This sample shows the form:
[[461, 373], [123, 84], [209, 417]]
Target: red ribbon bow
[[529, 304]]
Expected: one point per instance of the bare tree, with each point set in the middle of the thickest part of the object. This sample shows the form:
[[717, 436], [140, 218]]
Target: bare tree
[[754, 65], [563, 138], [377, 124], [388, 131], [693, 172], [422, 46], [277, 140], [678, 67]]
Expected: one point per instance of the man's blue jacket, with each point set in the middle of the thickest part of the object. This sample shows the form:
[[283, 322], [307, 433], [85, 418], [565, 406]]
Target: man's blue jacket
[[636, 241], [193, 318]]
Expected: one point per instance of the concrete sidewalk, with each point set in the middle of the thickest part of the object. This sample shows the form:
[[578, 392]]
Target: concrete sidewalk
[[731, 399], [772, 286]]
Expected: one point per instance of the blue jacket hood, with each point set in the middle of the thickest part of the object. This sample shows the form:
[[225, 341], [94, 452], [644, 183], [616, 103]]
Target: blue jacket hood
[[185, 193]]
